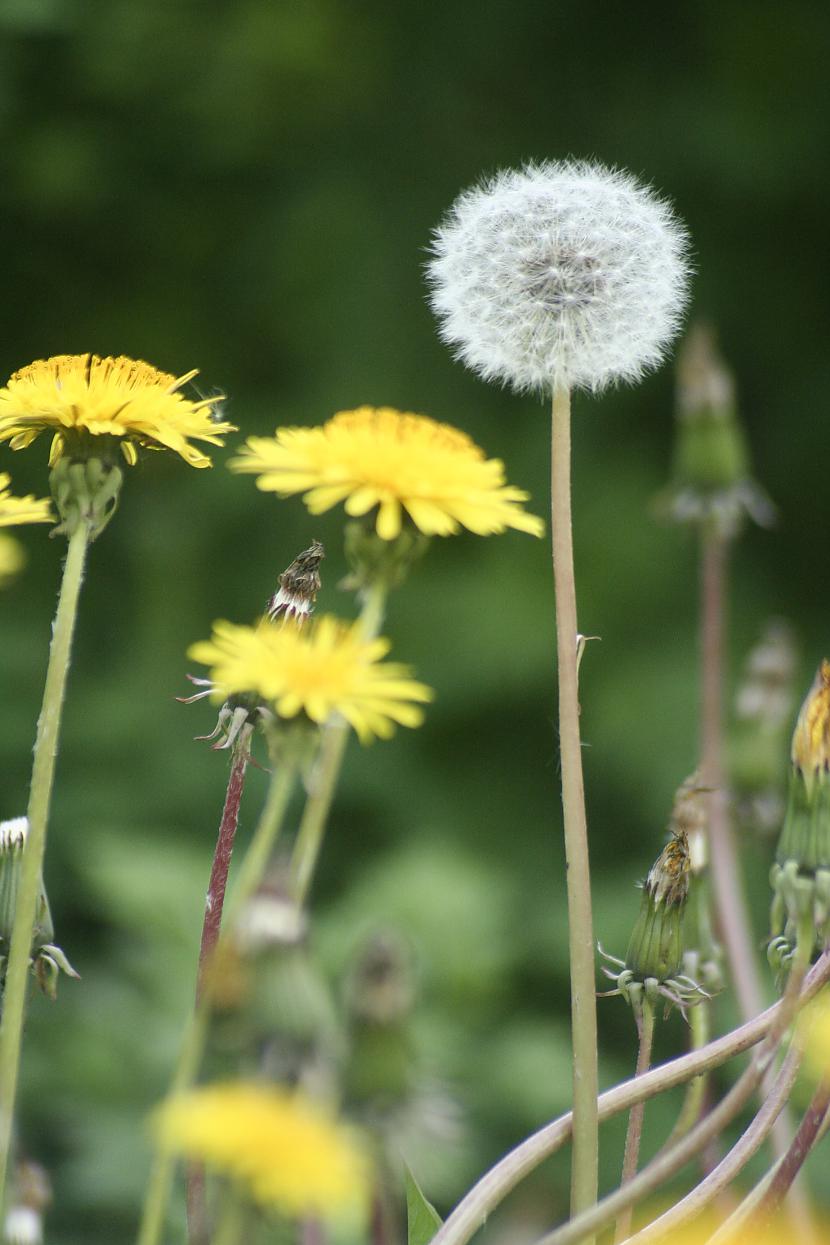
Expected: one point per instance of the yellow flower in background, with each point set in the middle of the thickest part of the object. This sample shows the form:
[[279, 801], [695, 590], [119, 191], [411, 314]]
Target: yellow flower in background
[[28, 509], [80, 396], [285, 1152], [811, 738], [817, 1046], [321, 670], [12, 558], [399, 463]]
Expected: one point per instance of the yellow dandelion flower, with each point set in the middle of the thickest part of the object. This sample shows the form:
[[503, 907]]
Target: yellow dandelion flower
[[320, 670], [12, 558], [14, 510], [286, 1153], [379, 457], [817, 1049], [81, 396]]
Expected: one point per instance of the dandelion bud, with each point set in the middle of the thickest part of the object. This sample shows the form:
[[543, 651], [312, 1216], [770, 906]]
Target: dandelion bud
[[801, 875], [32, 1193], [763, 708], [651, 969], [298, 586], [380, 997], [712, 483], [47, 960], [373, 560], [559, 274], [85, 491]]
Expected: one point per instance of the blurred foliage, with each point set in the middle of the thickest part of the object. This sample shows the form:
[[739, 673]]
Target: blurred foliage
[[250, 188]]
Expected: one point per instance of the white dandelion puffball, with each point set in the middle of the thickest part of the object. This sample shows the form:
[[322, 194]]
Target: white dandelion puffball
[[559, 274]]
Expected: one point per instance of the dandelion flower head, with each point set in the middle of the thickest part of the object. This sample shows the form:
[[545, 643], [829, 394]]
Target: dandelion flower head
[[80, 397], [561, 273], [399, 463], [14, 510], [320, 670], [284, 1152]]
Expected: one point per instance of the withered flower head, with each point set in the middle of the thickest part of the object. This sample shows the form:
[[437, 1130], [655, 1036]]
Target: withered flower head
[[298, 586]]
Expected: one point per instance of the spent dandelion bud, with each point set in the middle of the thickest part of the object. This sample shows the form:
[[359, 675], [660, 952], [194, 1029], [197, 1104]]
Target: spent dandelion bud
[[800, 876], [298, 586], [712, 483], [47, 960], [31, 1195], [561, 274]]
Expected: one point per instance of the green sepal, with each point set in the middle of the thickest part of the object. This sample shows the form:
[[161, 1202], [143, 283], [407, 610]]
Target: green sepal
[[374, 561], [86, 490]]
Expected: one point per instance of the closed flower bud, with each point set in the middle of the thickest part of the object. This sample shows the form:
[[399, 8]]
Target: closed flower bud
[[47, 960], [712, 484], [298, 586], [801, 875]]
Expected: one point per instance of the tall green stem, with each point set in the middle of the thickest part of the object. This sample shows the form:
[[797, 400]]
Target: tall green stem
[[323, 783], [583, 979], [645, 1027], [160, 1182], [40, 794]]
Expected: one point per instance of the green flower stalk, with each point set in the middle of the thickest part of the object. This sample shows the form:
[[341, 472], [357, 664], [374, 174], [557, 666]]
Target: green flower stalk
[[800, 877], [93, 407]]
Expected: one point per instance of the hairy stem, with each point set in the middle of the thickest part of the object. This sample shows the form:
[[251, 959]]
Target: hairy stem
[[581, 940], [645, 1027], [40, 795], [488, 1193]]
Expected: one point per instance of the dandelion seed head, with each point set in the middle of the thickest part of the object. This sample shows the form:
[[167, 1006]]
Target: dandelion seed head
[[561, 273]]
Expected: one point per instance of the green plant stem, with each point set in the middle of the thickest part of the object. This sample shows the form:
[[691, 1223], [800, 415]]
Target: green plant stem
[[671, 1160], [581, 931], [645, 1029], [160, 1183], [488, 1192], [730, 900], [232, 1220], [695, 1202], [700, 1027], [40, 794], [323, 782]]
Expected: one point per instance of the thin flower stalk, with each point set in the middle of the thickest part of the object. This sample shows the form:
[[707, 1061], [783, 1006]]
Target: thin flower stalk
[[488, 1193], [215, 899], [808, 1133], [645, 1028], [323, 782], [581, 940], [160, 1182], [40, 794]]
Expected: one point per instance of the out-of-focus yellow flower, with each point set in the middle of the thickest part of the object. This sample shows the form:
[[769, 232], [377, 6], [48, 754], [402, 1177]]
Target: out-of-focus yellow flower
[[811, 738], [282, 1150], [817, 1048], [376, 457], [321, 670], [12, 558], [78, 397], [14, 510]]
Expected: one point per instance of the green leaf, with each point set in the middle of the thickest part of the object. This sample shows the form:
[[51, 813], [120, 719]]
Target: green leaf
[[422, 1219]]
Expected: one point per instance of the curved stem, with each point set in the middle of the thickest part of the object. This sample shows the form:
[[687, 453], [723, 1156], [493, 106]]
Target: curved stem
[[728, 1168], [473, 1210], [645, 1026], [323, 782], [195, 1032], [580, 923], [792, 1162], [665, 1165], [40, 794]]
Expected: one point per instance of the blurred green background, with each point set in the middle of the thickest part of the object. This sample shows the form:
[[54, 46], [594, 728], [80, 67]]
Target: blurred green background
[[249, 188]]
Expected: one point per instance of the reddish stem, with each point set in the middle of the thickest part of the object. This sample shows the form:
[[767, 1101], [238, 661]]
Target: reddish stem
[[790, 1165], [197, 1222], [215, 898]]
